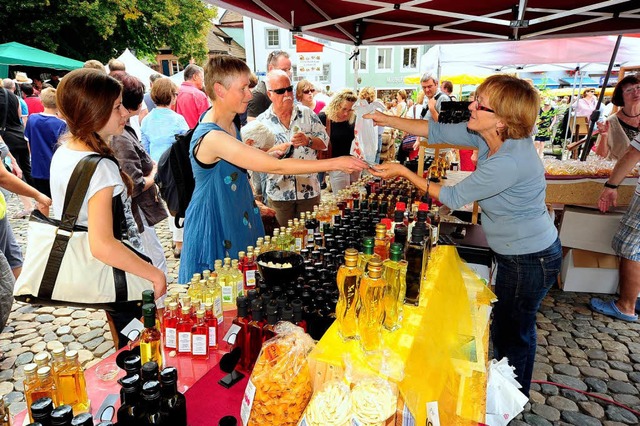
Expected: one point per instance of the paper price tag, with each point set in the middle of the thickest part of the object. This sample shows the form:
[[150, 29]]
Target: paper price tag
[[133, 330], [433, 417], [230, 337], [247, 402]]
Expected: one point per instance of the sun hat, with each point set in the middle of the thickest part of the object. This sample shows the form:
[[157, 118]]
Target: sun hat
[[21, 77]]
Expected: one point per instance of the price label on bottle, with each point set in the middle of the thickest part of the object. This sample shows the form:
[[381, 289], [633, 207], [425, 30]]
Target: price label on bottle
[[213, 336], [184, 342], [170, 338], [199, 346], [247, 402], [251, 278], [227, 294]]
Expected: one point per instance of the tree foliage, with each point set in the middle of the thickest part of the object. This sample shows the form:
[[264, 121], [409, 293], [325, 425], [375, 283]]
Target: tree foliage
[[102, 29]]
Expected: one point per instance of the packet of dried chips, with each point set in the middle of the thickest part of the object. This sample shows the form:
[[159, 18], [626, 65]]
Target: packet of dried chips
[[373, 401], [280, 385], [330, 406]]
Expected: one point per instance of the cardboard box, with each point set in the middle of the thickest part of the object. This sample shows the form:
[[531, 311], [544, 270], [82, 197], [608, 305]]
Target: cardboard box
[[588, 229], [589, 272]]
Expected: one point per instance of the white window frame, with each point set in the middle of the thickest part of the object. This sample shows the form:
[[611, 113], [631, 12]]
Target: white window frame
[[267, 31], [175, 66], [409, 68], [294, 74], [322, 78], [293, 40], [389, 59], [364, 51]]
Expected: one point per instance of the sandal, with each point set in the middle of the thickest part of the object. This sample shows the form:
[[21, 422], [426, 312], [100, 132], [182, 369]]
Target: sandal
[[610, 309]]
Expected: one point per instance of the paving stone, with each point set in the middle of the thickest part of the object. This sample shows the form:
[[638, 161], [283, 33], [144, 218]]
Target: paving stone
[[84, 356], [45, 310], [535, 420], [617, 375], [80, 330], [635, 357], [618, 386], [18, 406], [549, 389], [580, 419], [38, 347], [546, 412], [67, 338], [17, 352], [634, 376], [45, 318], [596, 354], [63, 312], [575, 353], [23, 339], [594, 372], [596, 385], [621, 415], [54, 345], [579, 362], [33, 341], [79, 322], [567, 369], [96, 323], [626, 399], [79, 314], [573, 395], [74, 346], [24, 358], [6, 387], [534, 396], [62, 320], [50, 337], [518, 423], [24, 332], [6, 375], [65, 329], [588, 343], [603, 365], [89, 336], [613, 346], [93, 343], [13, 396], [622, 366], [8, 362], [562, 403]]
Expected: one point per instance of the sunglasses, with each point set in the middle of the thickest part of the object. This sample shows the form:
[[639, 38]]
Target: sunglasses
[[480, 107], [306, 92], [282, 91]]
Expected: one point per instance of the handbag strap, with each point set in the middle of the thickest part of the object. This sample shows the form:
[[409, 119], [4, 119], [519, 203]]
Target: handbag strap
[[74, 197], [329, 128], [3, 128]]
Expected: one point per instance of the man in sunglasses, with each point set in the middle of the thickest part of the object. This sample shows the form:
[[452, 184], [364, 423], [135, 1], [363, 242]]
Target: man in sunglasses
[[277, 60], [300, 127]]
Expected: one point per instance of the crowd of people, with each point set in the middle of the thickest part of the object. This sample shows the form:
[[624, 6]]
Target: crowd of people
[[267, 149]]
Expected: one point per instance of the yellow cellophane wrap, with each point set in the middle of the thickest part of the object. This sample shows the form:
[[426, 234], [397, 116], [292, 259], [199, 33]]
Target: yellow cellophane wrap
[[438, 354]]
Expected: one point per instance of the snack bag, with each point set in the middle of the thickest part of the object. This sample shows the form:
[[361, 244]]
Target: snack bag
[[373, 401], [280, 385], [330, 406]]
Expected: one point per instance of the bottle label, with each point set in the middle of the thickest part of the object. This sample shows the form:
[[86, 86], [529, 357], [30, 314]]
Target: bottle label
[[227, 294], [184, 342], [217, 307], [251, 278], [247, 402], [213, 336], [434, 235], [298, 244], [240, 286], [170, 338], [199, 346]]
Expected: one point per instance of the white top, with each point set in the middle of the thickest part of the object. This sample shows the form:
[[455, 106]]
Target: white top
[[62, 164]]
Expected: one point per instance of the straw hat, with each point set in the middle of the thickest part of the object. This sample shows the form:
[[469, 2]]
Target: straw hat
[[21, 77]]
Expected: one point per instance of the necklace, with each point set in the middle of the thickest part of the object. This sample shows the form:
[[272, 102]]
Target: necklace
[[630, 116]]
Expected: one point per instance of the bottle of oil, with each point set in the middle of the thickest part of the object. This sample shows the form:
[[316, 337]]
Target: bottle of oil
[[170, 321], [46, 386], [212, 325], [229, 289], [73, 384], [150, 339], [250, 268], [42, 359], [151, 398], [348, 281], [200, 337], [367, 252], [238, 278], [417, 257], [184, 331], [215, 297], [130, 412], [30, 384], [149, 297], [173, 404], [82, 419], [371, 314], [381, 247], [394, 272]]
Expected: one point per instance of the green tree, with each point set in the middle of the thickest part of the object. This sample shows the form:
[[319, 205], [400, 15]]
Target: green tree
[[102, 29]]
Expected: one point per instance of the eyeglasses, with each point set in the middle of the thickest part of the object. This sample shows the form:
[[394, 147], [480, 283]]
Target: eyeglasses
[[306, 92], [480, 107], [282, 90], [632, 89]]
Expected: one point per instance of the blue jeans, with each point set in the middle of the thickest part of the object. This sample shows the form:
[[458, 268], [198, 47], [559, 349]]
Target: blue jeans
[[522, 282]]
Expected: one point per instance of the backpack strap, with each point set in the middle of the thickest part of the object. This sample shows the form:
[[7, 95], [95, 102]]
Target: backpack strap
[[3, 128]]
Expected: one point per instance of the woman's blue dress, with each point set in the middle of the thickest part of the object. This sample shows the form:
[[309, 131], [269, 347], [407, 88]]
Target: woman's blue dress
[[222, 217]]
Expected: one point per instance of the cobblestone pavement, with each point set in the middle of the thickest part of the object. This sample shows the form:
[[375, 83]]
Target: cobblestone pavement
[[576, 348]]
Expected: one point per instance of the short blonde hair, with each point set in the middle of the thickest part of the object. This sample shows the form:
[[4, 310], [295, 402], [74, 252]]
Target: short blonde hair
[[262, 137], [48, 98], [515, 102], [302, 86], [94, 64], [368, 94], [222, 69], [345, 95]]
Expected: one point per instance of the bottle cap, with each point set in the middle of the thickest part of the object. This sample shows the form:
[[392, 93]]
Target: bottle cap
[[287, 314], [422, 215], [252, 295], [42, 408], [398, 216], [401, 206], [241, 302], [130, 383], [82, 419], [169, 375], [42, 358], [296, 305], [44, 372], [423, 207], [132, 364], [61, 415], [31, 368], [199, 314], [71, 355], [386, 222], [151, 390], [256, 310], [149, 371], [173, 306], [148, 296]]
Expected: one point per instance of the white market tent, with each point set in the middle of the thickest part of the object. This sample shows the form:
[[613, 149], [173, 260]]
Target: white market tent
[[136, 67], [178, 78], [562, 52]]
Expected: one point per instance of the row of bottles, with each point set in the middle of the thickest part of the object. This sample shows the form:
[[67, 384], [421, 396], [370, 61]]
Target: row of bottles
[[60, 378], [190, 330], [45, 413], [149, 396], [372, 294]]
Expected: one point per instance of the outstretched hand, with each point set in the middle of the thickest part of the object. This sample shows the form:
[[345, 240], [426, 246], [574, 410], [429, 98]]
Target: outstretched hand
[[388, 170], [350, 164], [379, 118]]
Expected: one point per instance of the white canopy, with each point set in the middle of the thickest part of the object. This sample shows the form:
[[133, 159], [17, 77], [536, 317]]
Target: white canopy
[[524, 54], [136, 68], [178, 78]]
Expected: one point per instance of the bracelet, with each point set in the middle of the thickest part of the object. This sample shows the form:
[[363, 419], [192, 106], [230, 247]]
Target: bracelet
[[310, 142], [610, 185]]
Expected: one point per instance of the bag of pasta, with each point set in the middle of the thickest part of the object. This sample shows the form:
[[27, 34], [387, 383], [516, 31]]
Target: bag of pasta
[[280, 385]]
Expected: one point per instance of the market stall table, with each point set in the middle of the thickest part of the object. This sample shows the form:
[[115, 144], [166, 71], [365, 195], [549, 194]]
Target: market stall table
[[207, 401]]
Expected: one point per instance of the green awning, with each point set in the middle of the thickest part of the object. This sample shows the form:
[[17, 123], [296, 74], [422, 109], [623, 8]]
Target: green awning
[[19, 54]]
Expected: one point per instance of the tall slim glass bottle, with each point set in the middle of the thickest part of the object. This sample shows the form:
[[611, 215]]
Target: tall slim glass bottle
[[367, 252], [394, 271], [130, 413], [371, 314], [348, 281], [242, 338], [150, 339], [73, 386], [183, 329], [417, 257], [173, 403], [212, 325], [30, 385], [381, 247], [200, 337], [170, 320]]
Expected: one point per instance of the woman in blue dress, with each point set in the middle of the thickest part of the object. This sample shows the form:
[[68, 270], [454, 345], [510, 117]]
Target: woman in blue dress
[[223, 218]]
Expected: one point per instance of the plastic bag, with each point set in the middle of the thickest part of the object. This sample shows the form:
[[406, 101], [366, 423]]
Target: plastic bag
[[280, 385], [330, 406], [504, 400], [365, 144]]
